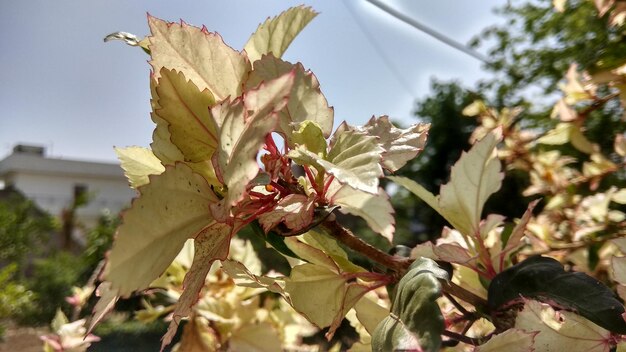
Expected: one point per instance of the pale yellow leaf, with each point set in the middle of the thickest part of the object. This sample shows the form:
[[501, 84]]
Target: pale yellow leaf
[[201, 55], [620, 145], [369, 311], [474, 109], [618, 266], [186, 110], [138, 163], [106, 303], [311, 254], [329, 246], [400, 145], [561, 331], [473, 178], [210, 245], [294, 210], [307, 103], [259, 337], [375, 209], [512, 340], [173, 207], [275, 34], [354, 159], [242, 128]]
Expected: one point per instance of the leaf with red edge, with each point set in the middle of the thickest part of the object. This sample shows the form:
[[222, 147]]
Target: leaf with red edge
[[454, 253], [562, 330], [307, 103], [295, 211], [474, 177], [354, 159], [173, 207], [400, 145], [204, 57], [242, 126], [186, 110], [275, 34], [375, 209], [105, 304], [212, 244]]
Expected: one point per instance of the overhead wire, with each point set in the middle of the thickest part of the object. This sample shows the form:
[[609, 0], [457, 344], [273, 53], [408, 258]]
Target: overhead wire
[[381, 53], [429, 31]]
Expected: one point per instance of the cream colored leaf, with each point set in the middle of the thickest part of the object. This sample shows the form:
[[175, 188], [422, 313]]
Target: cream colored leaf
[[512, 340], [186, 110], [400, 145], [619, 196], [474, 109], [618, 266], [474, 178], [311, 254], [212, 244], [201, 55], [369, 312], [453, 253], [138, 163], [328, 245], [375, 209], [173, 207], [620, 145], [561, 331], [307, 102], [242, 128], [275, 34], [559, 135], [259, 337], [105, 304], [295, 211], [354, 159], [321, 295]]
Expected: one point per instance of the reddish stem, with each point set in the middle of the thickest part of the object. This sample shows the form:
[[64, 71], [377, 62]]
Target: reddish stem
[[327, 184], [309, 174]]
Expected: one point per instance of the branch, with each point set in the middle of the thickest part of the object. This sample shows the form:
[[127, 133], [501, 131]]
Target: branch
[[345, 236]]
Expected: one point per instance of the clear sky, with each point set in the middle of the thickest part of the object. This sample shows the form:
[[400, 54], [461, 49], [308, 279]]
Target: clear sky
[[62, 87]]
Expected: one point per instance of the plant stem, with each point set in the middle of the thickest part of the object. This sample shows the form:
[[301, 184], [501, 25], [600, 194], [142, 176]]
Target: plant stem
[[398, 264], [346, 237]]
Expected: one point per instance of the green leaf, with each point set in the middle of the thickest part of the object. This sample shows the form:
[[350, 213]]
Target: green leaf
[[544, 279], [311, 254], [562, 330], [212, 244], [354, 159], [311, 136], [416, 322], [275, 34], [307, 102], [473, 178], [400, 145], [174, 206], [202, 56], [138, 163], [242, 126], [513, 340]]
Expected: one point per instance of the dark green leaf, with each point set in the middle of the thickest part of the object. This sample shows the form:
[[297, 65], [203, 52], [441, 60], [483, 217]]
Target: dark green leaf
[[415, 322], [545, 280]]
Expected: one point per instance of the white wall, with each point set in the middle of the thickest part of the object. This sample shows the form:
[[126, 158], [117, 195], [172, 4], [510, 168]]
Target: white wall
[[54, 193]]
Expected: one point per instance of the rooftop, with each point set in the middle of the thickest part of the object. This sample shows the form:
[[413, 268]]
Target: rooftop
[[32, 159]]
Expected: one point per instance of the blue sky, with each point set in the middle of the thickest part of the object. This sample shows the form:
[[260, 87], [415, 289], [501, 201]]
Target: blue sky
[[64, 88]]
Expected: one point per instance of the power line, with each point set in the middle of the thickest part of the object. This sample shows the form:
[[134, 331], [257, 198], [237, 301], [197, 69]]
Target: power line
[[431, 32], [386, 59]]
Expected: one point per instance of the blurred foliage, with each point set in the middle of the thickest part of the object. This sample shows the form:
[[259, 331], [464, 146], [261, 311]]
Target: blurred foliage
[[24, 228]]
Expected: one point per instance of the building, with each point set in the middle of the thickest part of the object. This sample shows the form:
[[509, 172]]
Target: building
[[53, 184]]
